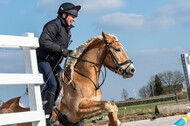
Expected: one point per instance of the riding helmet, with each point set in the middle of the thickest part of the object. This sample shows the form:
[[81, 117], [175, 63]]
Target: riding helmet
[[69, 8]]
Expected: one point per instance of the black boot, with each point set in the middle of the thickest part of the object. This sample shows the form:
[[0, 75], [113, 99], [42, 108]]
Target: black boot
[[49, 102], [80, 123]]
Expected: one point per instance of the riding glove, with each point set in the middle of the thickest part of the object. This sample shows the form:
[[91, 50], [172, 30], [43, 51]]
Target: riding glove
[[66, 52]]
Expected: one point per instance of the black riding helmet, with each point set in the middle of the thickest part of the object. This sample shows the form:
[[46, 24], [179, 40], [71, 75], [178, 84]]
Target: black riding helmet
[[69, 8]]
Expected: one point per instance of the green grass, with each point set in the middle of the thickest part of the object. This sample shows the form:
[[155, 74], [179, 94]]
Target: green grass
[[144, 108]]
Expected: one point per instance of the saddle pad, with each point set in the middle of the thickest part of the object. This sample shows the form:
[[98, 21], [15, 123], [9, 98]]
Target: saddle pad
[[24, 100]]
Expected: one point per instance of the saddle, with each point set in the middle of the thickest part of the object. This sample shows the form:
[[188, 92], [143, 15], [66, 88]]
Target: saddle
[[24, 100]]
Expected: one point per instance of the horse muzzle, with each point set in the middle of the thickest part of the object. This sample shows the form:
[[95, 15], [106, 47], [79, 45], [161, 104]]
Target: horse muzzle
[[128, 71]]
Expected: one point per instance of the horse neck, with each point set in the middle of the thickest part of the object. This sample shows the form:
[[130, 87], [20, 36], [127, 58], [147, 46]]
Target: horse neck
[[92, 54]]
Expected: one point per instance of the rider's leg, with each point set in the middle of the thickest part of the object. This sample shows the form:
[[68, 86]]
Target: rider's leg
[[49, 98], [56, 72], [45, 68]]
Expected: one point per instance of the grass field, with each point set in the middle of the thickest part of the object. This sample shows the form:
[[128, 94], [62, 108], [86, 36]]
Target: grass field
[[144, 108]]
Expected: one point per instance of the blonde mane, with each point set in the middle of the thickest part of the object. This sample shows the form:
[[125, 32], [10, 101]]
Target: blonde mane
[[77, 53]]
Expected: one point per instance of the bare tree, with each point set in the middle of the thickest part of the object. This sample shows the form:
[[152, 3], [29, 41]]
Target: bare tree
[[124, 94], [178, 78], [145, 91], [171, 80]]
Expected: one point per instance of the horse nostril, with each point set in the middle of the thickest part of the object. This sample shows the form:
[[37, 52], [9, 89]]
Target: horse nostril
[[132, 70]]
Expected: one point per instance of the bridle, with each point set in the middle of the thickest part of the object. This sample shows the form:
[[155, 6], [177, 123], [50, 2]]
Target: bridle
[[117, 66]]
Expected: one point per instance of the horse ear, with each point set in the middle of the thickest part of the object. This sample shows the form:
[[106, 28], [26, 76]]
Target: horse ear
[[105, 36]]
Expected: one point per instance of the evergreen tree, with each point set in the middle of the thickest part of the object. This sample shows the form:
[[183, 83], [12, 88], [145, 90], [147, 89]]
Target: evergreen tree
[[158, 89]]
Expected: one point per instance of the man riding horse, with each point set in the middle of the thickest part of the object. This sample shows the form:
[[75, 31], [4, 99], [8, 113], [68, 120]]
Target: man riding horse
[[54, 41], [81, 93]]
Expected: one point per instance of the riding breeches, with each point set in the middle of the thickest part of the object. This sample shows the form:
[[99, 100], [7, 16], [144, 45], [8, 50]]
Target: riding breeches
[[49, 71]]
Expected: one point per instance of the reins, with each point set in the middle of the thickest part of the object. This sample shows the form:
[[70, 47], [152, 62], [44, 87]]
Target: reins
[[99, 85], [117, 65], [97, 64]]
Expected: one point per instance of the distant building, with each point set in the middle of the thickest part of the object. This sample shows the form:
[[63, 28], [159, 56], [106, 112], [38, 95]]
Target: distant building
[[184, 90]]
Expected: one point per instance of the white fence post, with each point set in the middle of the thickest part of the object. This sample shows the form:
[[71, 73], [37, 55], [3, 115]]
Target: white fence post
[[185, 59], [36, 115], [186, 68]]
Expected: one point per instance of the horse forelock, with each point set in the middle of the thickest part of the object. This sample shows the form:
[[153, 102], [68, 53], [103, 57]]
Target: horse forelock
[[79, 51]]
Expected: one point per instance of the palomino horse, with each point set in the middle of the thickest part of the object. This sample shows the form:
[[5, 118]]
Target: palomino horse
[[81, 90]]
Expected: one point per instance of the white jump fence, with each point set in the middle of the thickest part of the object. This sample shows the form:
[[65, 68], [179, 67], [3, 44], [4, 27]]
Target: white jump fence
[[185, 59], [28, 43]]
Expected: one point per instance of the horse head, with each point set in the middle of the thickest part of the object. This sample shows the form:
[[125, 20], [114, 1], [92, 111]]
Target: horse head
[[115, 57]]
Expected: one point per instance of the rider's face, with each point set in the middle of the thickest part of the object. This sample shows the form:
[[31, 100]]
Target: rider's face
[[70, 18]]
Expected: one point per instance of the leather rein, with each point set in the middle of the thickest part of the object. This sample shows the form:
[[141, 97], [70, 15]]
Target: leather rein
[[117, 66]]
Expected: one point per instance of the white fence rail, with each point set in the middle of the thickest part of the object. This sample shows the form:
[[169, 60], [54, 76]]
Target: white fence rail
[[31, 78]]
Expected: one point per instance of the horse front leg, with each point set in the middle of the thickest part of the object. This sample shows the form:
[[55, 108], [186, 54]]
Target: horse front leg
[[113, 119], [88, 109]]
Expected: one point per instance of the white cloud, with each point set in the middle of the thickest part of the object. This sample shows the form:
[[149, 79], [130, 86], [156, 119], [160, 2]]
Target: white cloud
[[153, 52], [21, 12], [133, 22], [4, 1], [122, 20], [176, 12], [88, 6], [48, 6], [97, 6]]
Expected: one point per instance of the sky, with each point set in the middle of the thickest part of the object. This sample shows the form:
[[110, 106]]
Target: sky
[[155, 33]]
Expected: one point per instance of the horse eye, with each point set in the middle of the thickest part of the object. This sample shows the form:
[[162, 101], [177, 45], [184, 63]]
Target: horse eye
[[117, 49]]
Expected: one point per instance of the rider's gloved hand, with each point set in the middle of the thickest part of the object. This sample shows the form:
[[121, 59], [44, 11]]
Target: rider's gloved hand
[[66, 52], [70, 52]]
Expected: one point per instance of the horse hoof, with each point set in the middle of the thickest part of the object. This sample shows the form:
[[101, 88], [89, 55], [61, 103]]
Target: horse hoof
[[117, 123]]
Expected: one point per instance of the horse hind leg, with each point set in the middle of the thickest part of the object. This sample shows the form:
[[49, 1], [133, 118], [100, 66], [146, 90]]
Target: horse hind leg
[[5, 110]]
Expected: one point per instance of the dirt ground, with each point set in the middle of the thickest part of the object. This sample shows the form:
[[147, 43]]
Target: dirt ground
[[135, 117]]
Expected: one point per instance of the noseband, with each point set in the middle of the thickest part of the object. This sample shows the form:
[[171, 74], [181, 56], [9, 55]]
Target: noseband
[[117, 66]]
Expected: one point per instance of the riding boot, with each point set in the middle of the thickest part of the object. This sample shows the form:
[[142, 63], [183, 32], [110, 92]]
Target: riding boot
[[79, 123], [49, 99]]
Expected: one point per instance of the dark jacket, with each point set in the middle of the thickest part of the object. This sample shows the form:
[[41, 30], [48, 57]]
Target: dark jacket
[[55, 36]]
